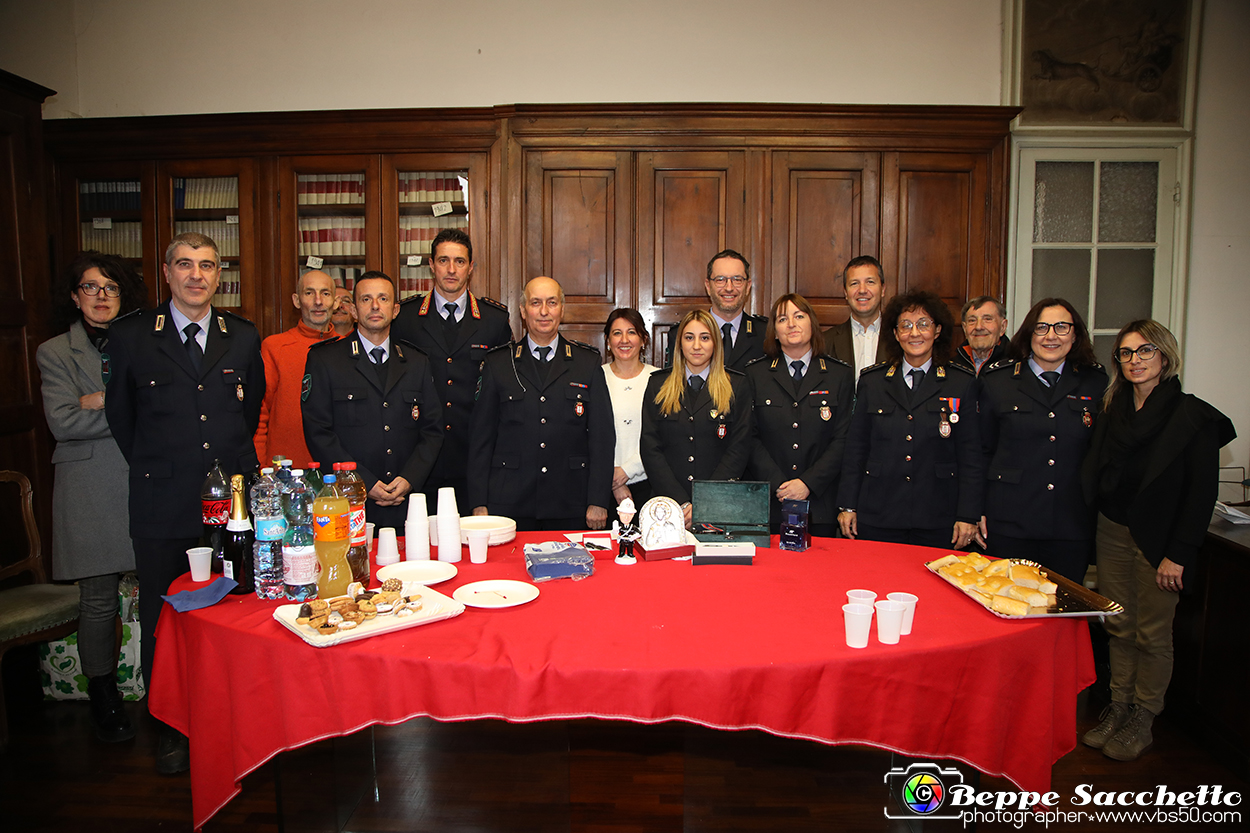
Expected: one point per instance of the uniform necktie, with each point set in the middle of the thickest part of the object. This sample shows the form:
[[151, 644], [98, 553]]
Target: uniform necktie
[[451, 314], [916, 375], [1050, 377], [696, 382], [727, 331], [543, 353], [796, 368], [379, 363], [194, 352]]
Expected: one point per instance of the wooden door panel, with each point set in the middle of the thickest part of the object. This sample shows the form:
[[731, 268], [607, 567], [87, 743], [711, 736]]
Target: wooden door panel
[[690, 206], [938, 239], [825, 212]]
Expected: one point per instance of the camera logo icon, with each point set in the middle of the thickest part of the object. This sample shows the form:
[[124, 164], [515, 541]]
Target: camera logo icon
[[921, 791]]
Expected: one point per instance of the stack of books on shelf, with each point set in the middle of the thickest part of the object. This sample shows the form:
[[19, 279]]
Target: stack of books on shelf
[[330, 189], [416, 233], [207, 192], [432, 186], [111, 195], [331, 236], [344, 276], [414, 280], [123, 239], [225, 235], [228, 291]]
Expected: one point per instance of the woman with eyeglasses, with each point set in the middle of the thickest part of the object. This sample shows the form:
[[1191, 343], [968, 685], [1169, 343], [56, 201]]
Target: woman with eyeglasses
[[912, 468], [803, 400], [90, 517], [696, 415], [1152, 472], [1037, 414]]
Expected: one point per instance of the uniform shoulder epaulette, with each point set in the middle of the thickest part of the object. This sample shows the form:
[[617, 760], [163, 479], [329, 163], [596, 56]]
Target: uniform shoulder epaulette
[[414, 299], [964, 368], [998, 365], [132, 314], [761, 319], [583, 345], [875, 367], [317, 345], [411, 345], [234, 315], [759, 359], [491, 302], [829, 358], [1099, 366], [729, 371], [507, 345]]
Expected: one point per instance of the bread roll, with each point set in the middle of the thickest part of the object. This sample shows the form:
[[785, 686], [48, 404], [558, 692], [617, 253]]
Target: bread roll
[[1026, 576], [1009, 606], [993, 585], [976, 560], [998, 568], [1033, 598], [1048, 587], [944, 561]]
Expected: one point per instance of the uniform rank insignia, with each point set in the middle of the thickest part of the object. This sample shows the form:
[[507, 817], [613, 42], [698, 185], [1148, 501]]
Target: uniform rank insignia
[[941, 372], [160, 323], [238, 391], [721, 430], [1088, 419], [712, 414], [826, 413], [305, 387], [221, 324], [579, 408], [416, 412]]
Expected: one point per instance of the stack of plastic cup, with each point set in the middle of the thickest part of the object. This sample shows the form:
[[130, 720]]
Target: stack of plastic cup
[[388, 547], [448, 522], [417, 529]]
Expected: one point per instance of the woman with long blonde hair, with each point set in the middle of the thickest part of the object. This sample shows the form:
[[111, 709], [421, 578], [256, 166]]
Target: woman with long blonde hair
[[696, 415]]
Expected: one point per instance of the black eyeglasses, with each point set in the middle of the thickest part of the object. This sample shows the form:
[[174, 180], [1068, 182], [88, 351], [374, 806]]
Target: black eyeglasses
[[1146, 352], [736, 280], [93, 289], [1062, 328]]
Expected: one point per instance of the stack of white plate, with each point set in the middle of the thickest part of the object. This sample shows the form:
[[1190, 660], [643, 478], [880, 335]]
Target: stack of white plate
[[502, 530]]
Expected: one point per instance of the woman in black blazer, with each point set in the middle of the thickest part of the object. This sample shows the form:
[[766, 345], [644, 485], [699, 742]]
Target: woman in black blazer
[[803, 400], [1037, 414], [695, 430], [912, 467], [1153, 473]]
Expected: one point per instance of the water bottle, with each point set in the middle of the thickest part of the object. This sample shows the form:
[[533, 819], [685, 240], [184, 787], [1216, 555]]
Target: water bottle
[[312, 476], [270, 523], [299, 551]]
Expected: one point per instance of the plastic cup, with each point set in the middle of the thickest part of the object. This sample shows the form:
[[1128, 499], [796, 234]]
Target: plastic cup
[[369, 527], [388, 547], [417, 540], [447, 501], [860, 597], [909, 612], [201, 561], [889, 621], [416, 506], [479, 542], [858, 620]]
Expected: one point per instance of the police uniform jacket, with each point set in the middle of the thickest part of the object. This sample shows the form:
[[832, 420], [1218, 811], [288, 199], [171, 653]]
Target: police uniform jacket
[[801, 434], [748, 345], [389, 430], [171, 422], [1035, 439], [541, 447], [696, 442], [898, 470], [456, 356]]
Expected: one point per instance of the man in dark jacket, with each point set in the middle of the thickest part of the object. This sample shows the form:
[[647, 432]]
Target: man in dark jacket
[[985, 328]]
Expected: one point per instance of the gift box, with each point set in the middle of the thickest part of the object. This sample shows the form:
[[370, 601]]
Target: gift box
[[733, 510]]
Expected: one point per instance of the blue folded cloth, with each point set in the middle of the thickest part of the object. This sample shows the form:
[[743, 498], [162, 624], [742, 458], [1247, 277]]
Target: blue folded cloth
[[204, 597], [552, 560]]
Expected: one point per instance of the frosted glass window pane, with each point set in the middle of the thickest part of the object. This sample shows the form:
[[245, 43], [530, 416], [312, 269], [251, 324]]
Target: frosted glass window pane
[[1128, 198], [1102, 351], [1126, 279], [1063, 202], [1061, 273]]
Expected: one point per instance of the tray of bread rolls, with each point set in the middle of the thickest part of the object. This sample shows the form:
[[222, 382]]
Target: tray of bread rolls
[[363, 613], [1012, 588]]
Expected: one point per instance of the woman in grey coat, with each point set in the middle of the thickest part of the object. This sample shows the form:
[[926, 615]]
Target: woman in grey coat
[[90, 520]]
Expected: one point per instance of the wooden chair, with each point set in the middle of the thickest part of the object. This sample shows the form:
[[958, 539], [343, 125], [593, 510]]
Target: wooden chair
[[36, 611]]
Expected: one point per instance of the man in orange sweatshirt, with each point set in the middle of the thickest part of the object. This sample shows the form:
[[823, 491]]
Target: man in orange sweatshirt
[[281, 429]]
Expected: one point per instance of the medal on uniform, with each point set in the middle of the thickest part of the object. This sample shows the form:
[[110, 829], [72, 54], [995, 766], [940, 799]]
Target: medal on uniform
[[712, 414], [416, 412], [1087, 418], [238, 391], [826, 413], [952, 402], [579, 408], [720, 431], [944, 427]]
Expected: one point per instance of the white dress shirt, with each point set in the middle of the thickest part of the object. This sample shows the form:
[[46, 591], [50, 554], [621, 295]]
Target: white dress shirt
[[865, 341]]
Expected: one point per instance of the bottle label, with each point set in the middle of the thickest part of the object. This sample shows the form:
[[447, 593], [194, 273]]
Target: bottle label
[[227, 567], [330, 527], [357, 523], [299, 565], [271, 529], [215, 512]]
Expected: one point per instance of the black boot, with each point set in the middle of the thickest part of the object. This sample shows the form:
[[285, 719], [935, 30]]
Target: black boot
[[173, 752], [107, 710]]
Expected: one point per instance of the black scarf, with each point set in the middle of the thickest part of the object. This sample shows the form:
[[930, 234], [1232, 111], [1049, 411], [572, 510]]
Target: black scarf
[[99, 336], [1130, 431]]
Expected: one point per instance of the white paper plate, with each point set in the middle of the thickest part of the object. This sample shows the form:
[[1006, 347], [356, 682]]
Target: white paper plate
[[502, 530], [418, 572], [496, 593]]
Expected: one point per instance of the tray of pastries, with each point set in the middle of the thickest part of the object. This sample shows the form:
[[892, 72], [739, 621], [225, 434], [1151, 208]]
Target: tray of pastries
[[364, 613], [1013, 588]]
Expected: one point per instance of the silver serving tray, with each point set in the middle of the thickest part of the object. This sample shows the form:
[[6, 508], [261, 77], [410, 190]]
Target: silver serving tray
[[1070, 599]]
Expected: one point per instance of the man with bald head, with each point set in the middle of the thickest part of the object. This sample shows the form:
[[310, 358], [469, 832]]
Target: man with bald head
[[281, 429], [541, 441]]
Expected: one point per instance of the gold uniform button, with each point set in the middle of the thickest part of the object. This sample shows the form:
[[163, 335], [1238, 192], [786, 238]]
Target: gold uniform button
[[910, 417], [908, 458], [448, 404], [1051, 415], [206, 445], [542, 399], [386, 404], [197, 387], [690, 477], [544, 469], [795, 446], [386, 428], [908, 479], [542, 445], [909, 438], [1050, 462], [689, 459], [449, 381], [796, 425], [203, 417], [449, 359], [1050, 487], [543, 420], [1052, 438]]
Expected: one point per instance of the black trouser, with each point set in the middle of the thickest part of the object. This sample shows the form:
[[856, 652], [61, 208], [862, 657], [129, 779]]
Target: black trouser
[[940, 538], [1068, 558], [158, 562]]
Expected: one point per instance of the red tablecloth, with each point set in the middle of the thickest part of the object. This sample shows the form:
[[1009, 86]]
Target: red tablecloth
[[729, 647]]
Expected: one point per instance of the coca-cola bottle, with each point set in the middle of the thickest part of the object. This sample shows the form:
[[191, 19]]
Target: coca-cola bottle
[[215, 511], [237, 550]]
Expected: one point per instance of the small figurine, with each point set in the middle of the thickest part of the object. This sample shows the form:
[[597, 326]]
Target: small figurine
[[629, 532]]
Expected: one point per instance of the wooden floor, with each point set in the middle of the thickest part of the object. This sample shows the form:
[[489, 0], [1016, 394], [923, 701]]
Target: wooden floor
[[491, 776]]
